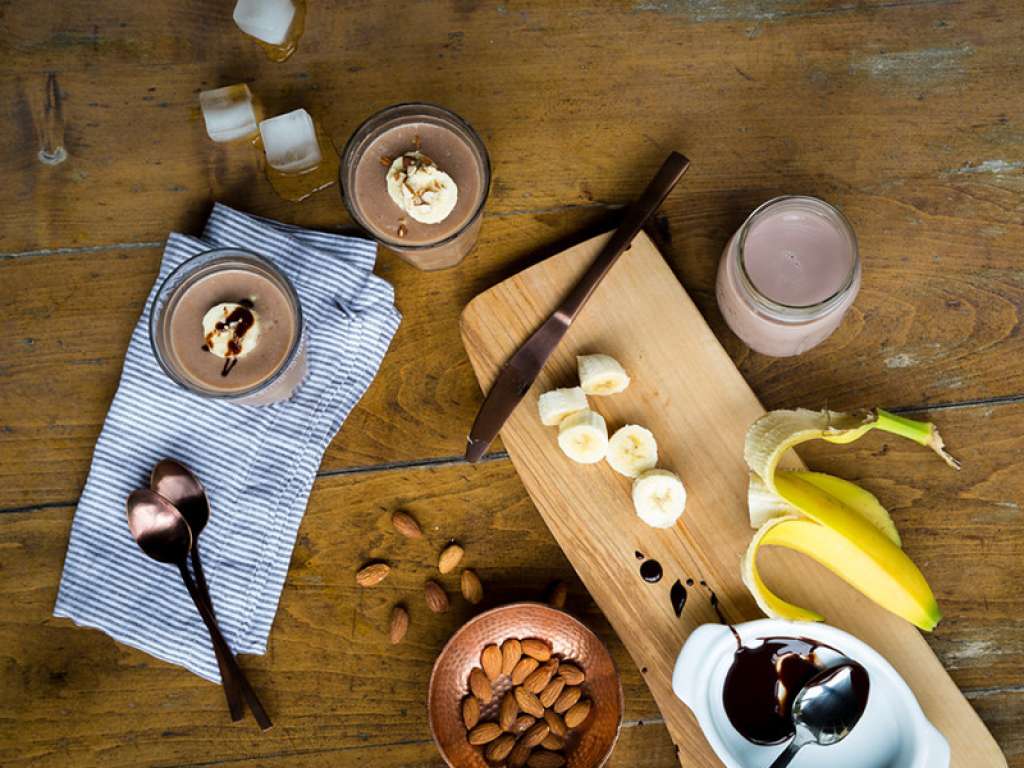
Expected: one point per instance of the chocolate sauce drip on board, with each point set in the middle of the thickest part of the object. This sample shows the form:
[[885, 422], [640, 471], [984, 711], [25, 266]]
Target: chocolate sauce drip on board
[[639, 555], [762, 681], [651, 571], [678, 597]]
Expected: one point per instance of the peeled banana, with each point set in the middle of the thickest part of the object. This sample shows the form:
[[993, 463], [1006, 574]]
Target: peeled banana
[[632, 450], [659, 497], [601, 374], [583, 437], [559, 403], [834, 521]]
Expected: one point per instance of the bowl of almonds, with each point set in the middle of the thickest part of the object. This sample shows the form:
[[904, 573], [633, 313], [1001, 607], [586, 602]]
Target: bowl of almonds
[[525, 685]]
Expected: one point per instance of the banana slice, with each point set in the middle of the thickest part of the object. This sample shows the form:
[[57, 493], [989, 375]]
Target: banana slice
[[659, 497], [632, 450], [601, 374], [559, 403], [583, 437]]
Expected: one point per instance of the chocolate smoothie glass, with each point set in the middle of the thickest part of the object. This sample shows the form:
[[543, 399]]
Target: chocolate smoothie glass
[[228, 324], [416, 177]]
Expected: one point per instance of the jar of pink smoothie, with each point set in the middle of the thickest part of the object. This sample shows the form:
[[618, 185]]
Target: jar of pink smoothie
[[788, 275]]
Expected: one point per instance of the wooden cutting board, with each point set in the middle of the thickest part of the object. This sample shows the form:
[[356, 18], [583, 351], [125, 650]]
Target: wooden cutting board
[[688, 392]]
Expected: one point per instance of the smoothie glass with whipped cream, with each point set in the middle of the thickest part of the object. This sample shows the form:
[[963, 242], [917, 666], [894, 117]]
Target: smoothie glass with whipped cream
[[228, 324], [416, 177]]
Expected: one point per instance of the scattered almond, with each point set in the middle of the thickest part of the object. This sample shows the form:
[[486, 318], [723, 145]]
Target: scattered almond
[[399, 624], [499, 749], [511, 653], [577, 714], [556, 723], [484, 733], [470, 712], [536, 649], [508, 711], [437, 600], [480, 685], [567, 699], [523, 722], [490, 660], [551, 693], [450, 557], [553, 742], [523, 669], [519, 755], [544, 759], [536, 734], [572, 674], [557, 595], [528, 702], [472, 589], [372, 574], [406, 525]]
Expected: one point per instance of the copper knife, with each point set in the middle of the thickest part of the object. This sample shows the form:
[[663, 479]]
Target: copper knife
[[521, 370]]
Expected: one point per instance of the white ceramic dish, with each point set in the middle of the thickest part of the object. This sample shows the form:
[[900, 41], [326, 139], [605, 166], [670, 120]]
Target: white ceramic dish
[[892, 733]]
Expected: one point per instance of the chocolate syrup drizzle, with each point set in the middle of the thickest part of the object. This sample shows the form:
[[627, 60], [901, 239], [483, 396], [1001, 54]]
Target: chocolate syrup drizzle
[[243, 319]]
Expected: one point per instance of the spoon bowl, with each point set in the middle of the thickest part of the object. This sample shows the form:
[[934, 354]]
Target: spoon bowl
[[157, 526], [176, 483]]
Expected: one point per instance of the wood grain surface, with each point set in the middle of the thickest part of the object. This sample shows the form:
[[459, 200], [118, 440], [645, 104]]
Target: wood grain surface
[[906, 113]]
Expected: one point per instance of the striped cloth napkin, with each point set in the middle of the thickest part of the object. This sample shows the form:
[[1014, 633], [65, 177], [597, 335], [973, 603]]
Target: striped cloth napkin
[[257, 463]]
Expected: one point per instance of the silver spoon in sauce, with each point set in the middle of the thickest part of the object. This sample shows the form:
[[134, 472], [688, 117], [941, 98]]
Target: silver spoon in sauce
[[161, 531], [827, 708], [176, 483]]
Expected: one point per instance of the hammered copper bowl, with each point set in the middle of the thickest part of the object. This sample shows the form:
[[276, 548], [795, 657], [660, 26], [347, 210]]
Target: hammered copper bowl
[[588, 746]]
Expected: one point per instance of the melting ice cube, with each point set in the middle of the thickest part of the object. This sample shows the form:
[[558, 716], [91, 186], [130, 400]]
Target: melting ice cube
[[228, 112], [266, 20], [290, 141]]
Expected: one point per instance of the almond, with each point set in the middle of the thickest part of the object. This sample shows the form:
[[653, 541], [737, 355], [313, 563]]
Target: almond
[[523, 669], [540, 678], [470, 712], [523, 722], [551, 693], [544, 759], [536, 734], [399, 624], [508, 712], [498, 749], [480, 685], [519, 755], [572, 674], [528, 702], [577, 714], [372, 574], [484, 733], [490, 660], [406, 525], [556, 723], [567, 699], [437, 600], [537, 649], [472, 589], [557, 594], [511, 653], [450, 557], [553, 742]]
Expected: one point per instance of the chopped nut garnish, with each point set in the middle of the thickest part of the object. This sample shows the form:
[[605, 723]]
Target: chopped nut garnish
[[402, 230]]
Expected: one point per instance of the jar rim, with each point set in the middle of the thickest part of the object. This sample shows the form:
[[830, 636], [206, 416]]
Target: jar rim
[[782, 310]]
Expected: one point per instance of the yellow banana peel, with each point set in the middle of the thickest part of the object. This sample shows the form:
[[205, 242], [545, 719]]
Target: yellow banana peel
[[832, 520]]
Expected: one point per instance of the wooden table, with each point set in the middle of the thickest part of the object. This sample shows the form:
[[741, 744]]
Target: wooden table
[[906, 113]]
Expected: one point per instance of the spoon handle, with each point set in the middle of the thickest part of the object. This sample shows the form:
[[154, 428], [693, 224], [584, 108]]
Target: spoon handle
[[787, 757], [233, 694], [221, 645]]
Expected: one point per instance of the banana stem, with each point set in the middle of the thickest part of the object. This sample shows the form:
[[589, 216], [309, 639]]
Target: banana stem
[[921, 432]]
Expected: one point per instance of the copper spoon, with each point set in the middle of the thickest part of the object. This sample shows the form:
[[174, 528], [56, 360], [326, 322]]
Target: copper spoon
[[161, 532], [176, 483]]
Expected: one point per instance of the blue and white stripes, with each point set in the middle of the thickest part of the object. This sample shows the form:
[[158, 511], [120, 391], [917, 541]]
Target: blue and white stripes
[[257, 463]]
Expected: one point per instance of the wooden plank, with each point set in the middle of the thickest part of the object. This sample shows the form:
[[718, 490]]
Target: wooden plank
[[333, 684], [686, 390], [720, 82]]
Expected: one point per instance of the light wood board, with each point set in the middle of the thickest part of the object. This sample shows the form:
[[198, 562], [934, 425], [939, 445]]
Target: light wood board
[[688, 392]]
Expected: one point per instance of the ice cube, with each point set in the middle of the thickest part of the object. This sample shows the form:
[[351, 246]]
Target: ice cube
[[229, 112], [266, 20], [290, 141]]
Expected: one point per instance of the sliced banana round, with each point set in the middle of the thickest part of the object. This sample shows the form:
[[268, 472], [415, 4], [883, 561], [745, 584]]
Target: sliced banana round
[[583, 437], [559, 403], [659, 497], [632, 450], [601, 374]]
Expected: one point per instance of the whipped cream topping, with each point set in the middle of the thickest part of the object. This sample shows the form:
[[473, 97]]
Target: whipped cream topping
[[421, 189], [231, 330]]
